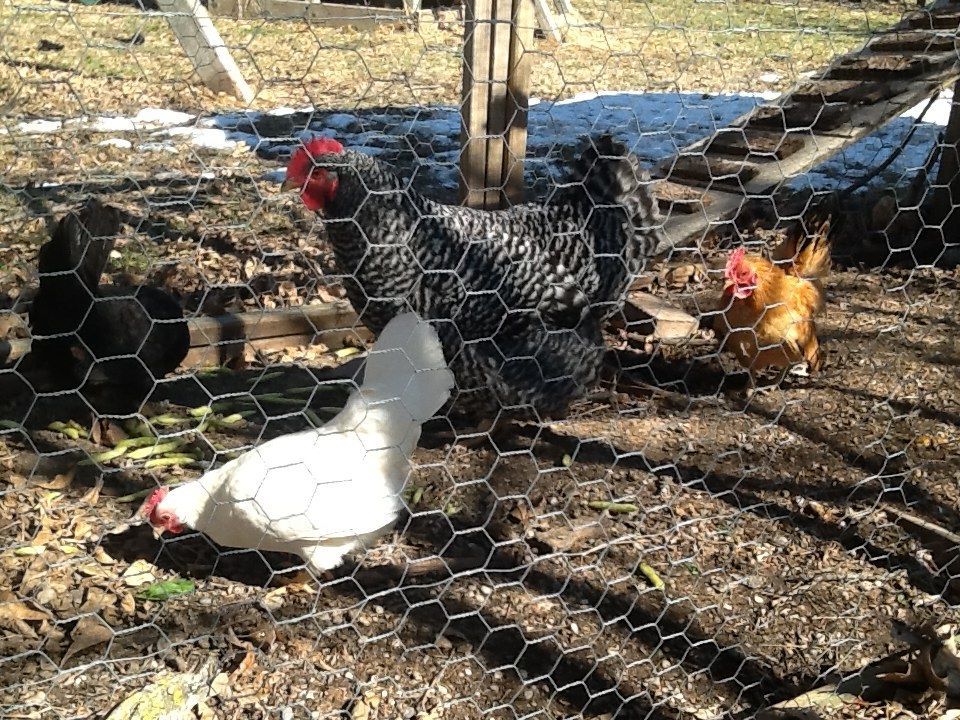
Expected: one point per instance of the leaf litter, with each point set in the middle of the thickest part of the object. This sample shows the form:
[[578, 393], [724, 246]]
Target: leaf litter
[[764, 515]]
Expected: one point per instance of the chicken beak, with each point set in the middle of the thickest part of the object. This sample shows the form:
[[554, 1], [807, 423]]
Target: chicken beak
[[727, 284], [289, 185], [158, 532]]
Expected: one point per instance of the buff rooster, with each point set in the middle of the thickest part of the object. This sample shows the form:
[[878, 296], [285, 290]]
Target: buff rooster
[[768, 307]]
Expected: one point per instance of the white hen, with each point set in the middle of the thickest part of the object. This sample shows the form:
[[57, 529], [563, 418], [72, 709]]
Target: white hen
[[322, 493]]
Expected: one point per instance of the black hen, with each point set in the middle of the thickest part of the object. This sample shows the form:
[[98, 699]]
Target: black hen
[[112, 342], [524, 291]]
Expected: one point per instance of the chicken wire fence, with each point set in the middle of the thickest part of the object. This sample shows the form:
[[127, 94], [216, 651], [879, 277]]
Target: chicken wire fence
[[637, 519]]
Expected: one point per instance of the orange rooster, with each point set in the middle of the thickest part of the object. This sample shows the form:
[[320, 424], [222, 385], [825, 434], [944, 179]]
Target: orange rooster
[[768, 307]]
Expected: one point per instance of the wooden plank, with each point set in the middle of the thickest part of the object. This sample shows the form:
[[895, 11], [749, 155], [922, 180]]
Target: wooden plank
[[847, 91], [475, 95], [794, 116], [497, 111], [887, 66], [361, 17], [674, 197], [948, 174], [740, 142], [518, 98], [925, 20], [211, 58], [304, 320], [916, 41], [226, 8], [494, 136], [215, 340], [546, 21], [708, 169]]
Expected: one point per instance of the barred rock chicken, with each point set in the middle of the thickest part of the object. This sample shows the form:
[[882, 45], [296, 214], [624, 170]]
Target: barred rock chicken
[[113, 342], [518, 296], [323, 493], [768, 307]]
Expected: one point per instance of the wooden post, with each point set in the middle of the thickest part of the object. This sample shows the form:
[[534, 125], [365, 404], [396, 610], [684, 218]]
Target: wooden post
[[200, 40], [518, 101], [494, 100]]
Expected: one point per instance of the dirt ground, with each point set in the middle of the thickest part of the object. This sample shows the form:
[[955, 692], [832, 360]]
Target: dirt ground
[[757, 548], [776, 525]]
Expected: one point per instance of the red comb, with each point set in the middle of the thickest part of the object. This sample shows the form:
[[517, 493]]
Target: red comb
[[736, 257], [323, 146], [301, 162], [155, 498]]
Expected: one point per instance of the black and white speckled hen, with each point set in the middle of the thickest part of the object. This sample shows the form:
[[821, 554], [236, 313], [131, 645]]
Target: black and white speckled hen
[[112, 342], [518, 296]]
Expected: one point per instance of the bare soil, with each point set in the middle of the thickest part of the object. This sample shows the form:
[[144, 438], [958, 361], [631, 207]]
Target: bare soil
[[774, 522]]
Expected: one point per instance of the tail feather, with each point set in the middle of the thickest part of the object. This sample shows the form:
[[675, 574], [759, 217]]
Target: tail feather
[[612, 175], [809, 256], [82, 243], [407, 362]]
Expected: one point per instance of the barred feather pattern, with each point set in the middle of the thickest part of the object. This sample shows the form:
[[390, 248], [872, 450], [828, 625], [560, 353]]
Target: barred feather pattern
[[518, 296]]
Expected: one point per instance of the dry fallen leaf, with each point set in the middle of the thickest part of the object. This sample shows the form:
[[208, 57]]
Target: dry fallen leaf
[[15, 613], [810, 706], [172, 696], [249, 660], [363, 705], [95, 599], [60, 482], [96, 432], [87, 633], [92, 496], [936, 665], [139, 573], [101, 556], [676, 278], [274, 599]]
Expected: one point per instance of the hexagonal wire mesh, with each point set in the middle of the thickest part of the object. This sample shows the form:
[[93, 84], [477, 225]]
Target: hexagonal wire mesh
[[623, 512]]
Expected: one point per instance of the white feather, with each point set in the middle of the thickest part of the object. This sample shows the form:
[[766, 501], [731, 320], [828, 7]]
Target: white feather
[[323, 493]]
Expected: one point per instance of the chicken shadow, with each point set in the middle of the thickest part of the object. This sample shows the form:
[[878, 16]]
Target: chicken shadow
[[736, 491], [672, 630], [499, 639]]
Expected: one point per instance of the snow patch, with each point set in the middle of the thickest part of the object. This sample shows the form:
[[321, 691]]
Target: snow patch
[[158, 147], [106, 124], [207, 138], [116, 142], [39, 127], [939, 111], [654, 125], [341, 121], [161, 117]]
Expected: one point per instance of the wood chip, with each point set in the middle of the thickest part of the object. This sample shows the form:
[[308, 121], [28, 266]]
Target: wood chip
[[650, 315]]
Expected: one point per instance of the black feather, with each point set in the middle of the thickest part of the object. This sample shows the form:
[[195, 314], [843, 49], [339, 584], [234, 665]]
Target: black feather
[[525, 290], [91, 337]]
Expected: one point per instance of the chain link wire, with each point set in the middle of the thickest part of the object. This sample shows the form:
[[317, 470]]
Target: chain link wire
[[697, 536]]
